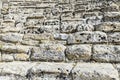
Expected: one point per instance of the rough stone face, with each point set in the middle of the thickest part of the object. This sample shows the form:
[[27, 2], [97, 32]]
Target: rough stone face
[[70, 27], [12, 77], [58, 36], [30, 42], [106, 53], [7, 57], [117, 66], [21, 57], [111, 16], [49, 52], [108, 26], [63, 42], [114, 37], [15, 48], [10, 29], [87, 37], [47, 39], [60, 71], [94, 71], [78, 52], [45, 36], [11, 37], [16, 68]]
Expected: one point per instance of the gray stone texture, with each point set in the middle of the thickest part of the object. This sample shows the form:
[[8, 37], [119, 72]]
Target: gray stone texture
[[59, 39]]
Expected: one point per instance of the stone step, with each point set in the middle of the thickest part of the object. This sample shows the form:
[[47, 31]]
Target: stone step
[[58, 71]]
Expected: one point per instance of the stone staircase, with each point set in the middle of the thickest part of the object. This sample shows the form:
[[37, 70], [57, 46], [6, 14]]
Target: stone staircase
[[59, 40]]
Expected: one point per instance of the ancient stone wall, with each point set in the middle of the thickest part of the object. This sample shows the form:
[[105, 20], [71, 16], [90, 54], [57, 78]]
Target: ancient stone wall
[[59, 39]]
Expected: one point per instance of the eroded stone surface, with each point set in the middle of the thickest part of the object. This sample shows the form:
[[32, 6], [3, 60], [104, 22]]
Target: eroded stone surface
[[78, 52], [106, 53], [117, 66], [94, 71], [16, 68], [114, 37], [87, 37], [49, 52], [15, 48], [108, 26], [34, 31], [11, 37], [60, 71]]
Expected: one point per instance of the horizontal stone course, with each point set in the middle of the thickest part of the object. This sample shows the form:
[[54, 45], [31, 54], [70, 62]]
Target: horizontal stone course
[[70, 71]]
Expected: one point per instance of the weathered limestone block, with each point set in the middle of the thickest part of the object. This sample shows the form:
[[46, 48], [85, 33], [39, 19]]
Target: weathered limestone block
[[68, 27], [12, 77], [108, 26], [94, 71], [75, 26], [8, 23], [7, 57], [112, 17], [84, 27], [49, 29], [19, 17], [15, 48], [21, 57], [44, 1], [63, 42], [49, 52], [114, 37], [114, 8], [95, 20], [64, 7], [87, 37], [78, 52], [50, 26], [30, 31], [10, 29], [60, 36], [90, 14], [16, 68], [52, 71], [30, 42], [11, 37], [52, 13], [117, 66], [87, 6], [106, 53], [5, 9], [44, 36], [79, 7]]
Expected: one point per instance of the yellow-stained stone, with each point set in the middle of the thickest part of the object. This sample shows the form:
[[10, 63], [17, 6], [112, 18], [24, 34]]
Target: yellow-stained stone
[[21, 56]]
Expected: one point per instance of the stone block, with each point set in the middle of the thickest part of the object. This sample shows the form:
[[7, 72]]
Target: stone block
[[94, 71], [108, 26], [49, 52], [52, 71], [11, 37], [106, 53], [87, 37], [114, 37], [78, 52]]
